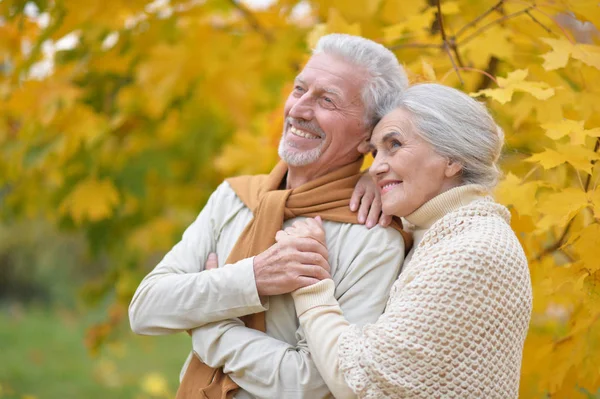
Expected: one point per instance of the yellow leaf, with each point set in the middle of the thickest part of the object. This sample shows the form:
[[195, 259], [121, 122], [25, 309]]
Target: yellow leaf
[[558, 208], [155, 384], [579, 157], [428, 71], [450, 7], [559, 56], [91, 199], [415, 22], [335, 24], [595, 200], [521, 196], [574, 129], [587, 246], [395, 10], [562, 50], [515, 81]]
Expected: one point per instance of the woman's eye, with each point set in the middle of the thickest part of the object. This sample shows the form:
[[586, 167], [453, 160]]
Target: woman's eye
[[374, 153], [395, 144]]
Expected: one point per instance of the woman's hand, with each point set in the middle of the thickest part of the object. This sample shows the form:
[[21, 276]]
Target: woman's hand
[[307, 228], [366, 198]]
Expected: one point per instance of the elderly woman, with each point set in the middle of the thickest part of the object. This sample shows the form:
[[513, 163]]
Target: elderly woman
[[457, 316]]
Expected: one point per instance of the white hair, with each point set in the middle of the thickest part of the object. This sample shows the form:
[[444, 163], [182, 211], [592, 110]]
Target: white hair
[[387, 78], [458, 127]]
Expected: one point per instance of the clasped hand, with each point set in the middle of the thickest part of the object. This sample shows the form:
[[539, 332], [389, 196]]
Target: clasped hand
[[297, 259]]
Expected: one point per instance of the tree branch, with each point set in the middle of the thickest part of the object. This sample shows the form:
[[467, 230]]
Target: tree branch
[[491, 24], [447, 46], [538, 22], [252, 21], [559, 243], [490, 71], [479, 18], [416, 45]]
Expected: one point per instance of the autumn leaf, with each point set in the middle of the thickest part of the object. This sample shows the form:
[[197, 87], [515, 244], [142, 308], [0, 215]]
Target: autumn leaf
[[579, 157], [572, 129], [520, 195], [562, 50], [91, 199], [558, 208], [515, 81], [587, 247]]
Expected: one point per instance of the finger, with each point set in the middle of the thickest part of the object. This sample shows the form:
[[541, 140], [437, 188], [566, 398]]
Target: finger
[[313, 258], [319, 220], [299, 232], [365, 205], [313, 271], [374, 213], [309, 245], [316, 229], [385, 220], [357, 194], [281, 236], [212, 262], [303, 281]]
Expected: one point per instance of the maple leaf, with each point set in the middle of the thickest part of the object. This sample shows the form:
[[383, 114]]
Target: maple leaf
[[587, 246], [90, 199], [562, 50], [515, 81], [558, 208], [521, 196], [579, 157], [574, 129]]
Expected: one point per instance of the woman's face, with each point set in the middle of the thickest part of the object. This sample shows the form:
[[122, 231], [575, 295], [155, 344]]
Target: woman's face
[[406, 168]]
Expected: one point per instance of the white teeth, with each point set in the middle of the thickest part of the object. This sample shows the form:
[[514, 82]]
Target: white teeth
[[301, 133], [390, 185]]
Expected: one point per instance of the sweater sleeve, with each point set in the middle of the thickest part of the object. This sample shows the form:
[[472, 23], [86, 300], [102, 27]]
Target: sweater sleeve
[[321, 318], [179, 295]]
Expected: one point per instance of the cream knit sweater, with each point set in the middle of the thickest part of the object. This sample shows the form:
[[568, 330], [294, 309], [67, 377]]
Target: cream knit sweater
[[456, 319]]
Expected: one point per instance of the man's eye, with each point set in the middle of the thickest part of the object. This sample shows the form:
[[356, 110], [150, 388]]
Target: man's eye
[[374, 153], [298, 88]]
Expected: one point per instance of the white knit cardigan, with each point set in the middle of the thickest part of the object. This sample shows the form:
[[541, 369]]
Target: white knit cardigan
[[456, 319]]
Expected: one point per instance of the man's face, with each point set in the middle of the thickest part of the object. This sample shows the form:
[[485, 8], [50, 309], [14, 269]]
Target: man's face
[[324, 115]]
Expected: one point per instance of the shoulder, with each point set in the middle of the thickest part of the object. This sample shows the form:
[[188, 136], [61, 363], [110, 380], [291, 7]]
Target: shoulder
[[357, 237], [480, 233]]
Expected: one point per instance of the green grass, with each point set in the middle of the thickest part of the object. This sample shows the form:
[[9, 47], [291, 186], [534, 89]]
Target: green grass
[[43, 356]]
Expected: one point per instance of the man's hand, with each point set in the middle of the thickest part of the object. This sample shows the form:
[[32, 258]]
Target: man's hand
[[367, 195], [211, 262], [291, 263]]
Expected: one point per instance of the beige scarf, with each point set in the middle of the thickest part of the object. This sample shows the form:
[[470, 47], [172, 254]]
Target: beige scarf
[[328, 197]]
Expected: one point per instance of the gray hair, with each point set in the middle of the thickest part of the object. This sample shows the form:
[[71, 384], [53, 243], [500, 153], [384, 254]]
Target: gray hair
[[457, 127], [387, 78]]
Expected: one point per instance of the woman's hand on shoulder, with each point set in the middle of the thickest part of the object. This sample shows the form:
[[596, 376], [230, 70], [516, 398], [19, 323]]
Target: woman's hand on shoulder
[[366, 199]]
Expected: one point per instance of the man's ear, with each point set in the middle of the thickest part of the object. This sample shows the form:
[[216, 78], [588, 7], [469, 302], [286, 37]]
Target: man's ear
[[364, 146], [453, 168]]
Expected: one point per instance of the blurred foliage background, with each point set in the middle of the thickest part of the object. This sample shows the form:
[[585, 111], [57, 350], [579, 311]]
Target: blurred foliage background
[[119, 117]]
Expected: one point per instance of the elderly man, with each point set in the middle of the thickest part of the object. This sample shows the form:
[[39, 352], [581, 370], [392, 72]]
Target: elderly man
[[328, 121]]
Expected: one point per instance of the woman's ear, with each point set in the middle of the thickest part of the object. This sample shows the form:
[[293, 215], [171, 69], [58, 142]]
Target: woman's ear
[[453, 168]]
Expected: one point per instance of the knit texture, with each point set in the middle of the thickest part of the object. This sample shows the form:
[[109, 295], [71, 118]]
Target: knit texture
[[457, 317]]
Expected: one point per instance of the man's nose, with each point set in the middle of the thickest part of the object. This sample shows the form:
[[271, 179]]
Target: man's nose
[[303, 108]]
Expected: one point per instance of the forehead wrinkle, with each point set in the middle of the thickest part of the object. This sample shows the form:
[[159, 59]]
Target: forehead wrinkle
[[320, 88]]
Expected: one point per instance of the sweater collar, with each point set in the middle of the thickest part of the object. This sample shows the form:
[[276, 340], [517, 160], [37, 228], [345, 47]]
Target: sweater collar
[[434, 209]]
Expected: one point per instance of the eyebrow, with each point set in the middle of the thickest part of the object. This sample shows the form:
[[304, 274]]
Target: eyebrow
[[329, 90]]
